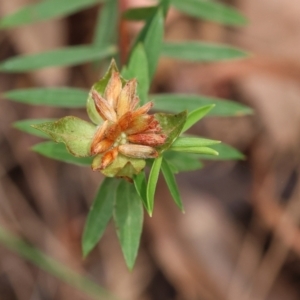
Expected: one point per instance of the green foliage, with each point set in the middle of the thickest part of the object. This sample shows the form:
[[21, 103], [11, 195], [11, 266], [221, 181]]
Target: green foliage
[[200, 150], [226, 152], [211, 11], [59, 152], [120, 199], [171, 182], [151, 36], [68, 56], [182, 162], [140, 183], [57, 97], [196, 115], [45, 10], [99, 215], [26, 126], [140, 13], [186, 142], [177, 103], [128, 217], [106, 27], [201, 52], [138, 68], [152, 182]]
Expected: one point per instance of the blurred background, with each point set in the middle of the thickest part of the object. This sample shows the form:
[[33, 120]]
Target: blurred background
[[239, 238]]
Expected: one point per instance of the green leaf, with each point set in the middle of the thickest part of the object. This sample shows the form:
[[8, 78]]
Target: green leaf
[[68, 56], [152, 182], [171, 126], [200, 150], [128, 217], [186, 142], [211, 11], [165, 5], [177, 103], [196, 115], [140, 184], [151, 36], [44, 10], [58, 97], [53, 267], [60, 153], [25, 126], [99, 215], [106, 27], [200, 51], [226, 152], [182, 162], [139, 13], [171, 183], [77, 134], [138, 68]]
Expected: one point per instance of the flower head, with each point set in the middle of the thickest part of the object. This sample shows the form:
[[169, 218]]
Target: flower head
[[126, 129], [122, 134]]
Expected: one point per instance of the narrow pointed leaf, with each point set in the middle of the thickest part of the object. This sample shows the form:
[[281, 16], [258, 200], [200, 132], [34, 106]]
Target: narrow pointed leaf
[[185, 142], [199, 150], [226, 152], [152, 36], [182, 162], [68, 56], [211, 11], [138, 68], [77, 134], [59, 152], [201, 52], [171, 183], [152, 182], [106, 27], [177, 103], [196, 115], [53, 267], [140, 184], [58, 97], [26, 126], [99, 215], [44, 10], [139, 13], [128, 217], [171, 126], [165, 5]]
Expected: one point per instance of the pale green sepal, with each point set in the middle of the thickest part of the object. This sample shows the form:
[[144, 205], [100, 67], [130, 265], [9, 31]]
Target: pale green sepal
[[171, 126], [77, 134], [122, 166]]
